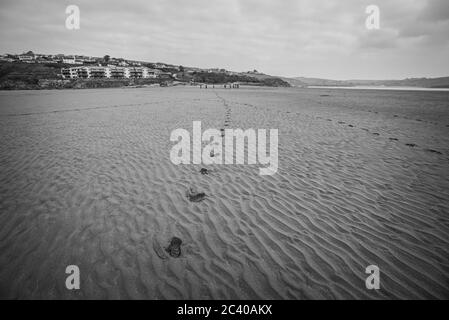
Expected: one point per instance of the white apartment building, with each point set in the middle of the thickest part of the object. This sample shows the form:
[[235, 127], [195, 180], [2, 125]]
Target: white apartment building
[[98, 72], [72, 61], [26, 58]]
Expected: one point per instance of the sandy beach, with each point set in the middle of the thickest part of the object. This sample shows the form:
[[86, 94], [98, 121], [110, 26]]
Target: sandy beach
[[86, 180]]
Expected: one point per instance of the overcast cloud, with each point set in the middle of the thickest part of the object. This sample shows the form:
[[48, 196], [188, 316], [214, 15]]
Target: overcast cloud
[[316, 38]]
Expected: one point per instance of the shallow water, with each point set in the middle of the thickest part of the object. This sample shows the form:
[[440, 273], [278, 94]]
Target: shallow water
[[86, 180]]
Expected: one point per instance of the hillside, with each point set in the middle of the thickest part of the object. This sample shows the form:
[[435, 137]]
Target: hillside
[[16, 75], [442, 82], [29, 73], [210, 77]]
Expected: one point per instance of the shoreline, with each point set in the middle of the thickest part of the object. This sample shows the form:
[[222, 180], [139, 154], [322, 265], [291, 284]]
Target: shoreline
[[392, 88], [45, 84]]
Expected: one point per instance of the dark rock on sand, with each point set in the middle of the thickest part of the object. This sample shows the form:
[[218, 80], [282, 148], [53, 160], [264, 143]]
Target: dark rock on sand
[[204, 171]]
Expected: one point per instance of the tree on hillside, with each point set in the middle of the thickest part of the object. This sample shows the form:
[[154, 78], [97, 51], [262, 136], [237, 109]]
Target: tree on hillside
[[106, 58]]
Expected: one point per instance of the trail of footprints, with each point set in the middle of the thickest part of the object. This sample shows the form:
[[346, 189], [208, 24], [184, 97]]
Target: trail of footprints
[[193, 195], [411, 145], [407, 118]]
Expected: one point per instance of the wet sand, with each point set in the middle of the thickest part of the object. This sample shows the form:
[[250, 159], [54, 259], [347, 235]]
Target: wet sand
[[86, 180]]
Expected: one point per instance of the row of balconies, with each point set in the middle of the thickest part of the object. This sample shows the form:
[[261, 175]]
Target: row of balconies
[[106, 72]]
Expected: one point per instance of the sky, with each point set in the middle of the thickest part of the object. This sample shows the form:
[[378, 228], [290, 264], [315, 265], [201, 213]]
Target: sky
[[293, 38]]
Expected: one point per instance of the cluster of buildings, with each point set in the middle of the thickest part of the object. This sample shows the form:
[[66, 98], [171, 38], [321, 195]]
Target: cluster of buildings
[[107, 67], [31, 57], [112, 72]]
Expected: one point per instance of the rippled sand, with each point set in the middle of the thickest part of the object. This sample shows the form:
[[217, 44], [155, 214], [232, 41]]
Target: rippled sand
[[86, 179]]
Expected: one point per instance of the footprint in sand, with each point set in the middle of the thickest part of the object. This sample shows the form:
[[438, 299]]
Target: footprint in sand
[[393, 139], [174, 249], [350, 125], [213, 154], [376, 134], [411, 145], [158, 249], [195, 196], [432, 151], [341, 122]]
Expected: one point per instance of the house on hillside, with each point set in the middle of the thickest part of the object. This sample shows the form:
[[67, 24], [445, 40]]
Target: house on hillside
[[72, 60], [27, 57], [6, 58], [153, 73]]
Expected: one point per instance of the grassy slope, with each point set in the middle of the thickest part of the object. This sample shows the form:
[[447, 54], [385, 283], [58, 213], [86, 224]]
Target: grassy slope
[[30, 74]]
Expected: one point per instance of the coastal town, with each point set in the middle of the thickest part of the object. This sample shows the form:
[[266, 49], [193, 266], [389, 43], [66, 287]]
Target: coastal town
[[106, 67]]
